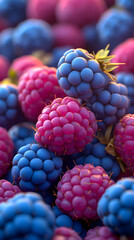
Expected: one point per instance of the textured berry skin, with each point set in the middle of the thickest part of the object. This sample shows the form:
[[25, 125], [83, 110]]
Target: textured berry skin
[[7, 190], [128, 80], [39, 37], [79, 75], [4, 66], [100, 233], [124, 53], [22, 64], [64, 233], [95, 154], [22, 134], [127, 5], [10, 111], [109, 105], [13, 11], [115, 207], [6, 151], [35, 168], [37, 87], [26, 216], [80, 190], [114, 21], [124, 140], [63, 220], [86, 12], [68, 35], [65, 127], [42, 9], [6, 44]]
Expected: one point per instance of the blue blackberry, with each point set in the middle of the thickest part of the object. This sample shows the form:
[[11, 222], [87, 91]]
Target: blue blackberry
[[10, 111], [26, 216], [6, 44], [81, 74], [36, 168], [114, 27], [128, 80], [126, 4], [63, 220], [95, 154], [21, 135], [116, 207], [110, 105], [37, 35], [91, 37], [13, 11]]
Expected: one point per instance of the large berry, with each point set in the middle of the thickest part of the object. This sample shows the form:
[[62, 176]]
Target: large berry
[[65, 127], [116, 207], [80, 190], [38, 87], [114, 27], [109, 105], [26, 216], [100, 233], [38, 37], [7, 190], [22, 134], [124, 140], [6, 151], [64, 233], [86, 12], [35, 168], [128, 80], [124, 53]]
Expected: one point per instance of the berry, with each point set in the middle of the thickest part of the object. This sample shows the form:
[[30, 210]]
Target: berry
[[63, 220], [80, 73], [13, 11], [100, 233], [109, 105], [116, 207], [22, 64], [65, 127], [128, 80], [124, 140], [7, 190], [126, 4], [90, 34], [35, 168], [38, 37], [80, 190], [86, 12], [64, 233], [114, 27], [68, 35], [6, 151], [6, 44], [4, 66], [57, 53], [38, 87], [26, 216], [10, 111], [124, 53], [21, 134]]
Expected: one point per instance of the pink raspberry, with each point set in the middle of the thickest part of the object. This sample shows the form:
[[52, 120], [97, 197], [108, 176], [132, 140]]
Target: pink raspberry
[[80, 190], [38, 87], [124, 140], [42, 9], [64, 233], [6, 151], [64, 127], [4, 66], [124, 53], [80, 13], [100, 233], [7, 190], [22, 64], [68, 35]]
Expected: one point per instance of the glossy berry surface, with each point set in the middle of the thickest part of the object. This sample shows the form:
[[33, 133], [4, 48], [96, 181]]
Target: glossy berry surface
[[100, 233], [7, 190]]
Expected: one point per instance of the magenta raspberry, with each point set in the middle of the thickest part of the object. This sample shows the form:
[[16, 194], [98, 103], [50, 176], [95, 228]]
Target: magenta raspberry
[[65, 127], [80, 190], [64, 233], [37, 87], [7, 190]]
